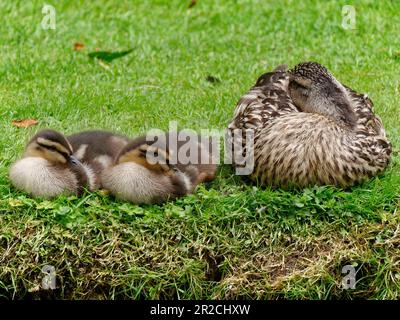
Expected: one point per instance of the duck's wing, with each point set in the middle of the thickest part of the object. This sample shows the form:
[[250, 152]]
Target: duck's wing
[[367, 121], [267, 99]]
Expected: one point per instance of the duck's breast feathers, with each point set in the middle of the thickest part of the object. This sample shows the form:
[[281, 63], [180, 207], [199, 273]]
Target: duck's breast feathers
[[306, 149]]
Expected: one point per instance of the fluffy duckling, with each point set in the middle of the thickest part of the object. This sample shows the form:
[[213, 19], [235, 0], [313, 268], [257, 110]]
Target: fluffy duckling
[[48, 167], [97, 149], [153, 172]]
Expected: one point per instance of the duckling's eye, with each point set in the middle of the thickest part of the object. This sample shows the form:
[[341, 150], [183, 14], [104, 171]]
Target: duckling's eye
[[74, 161]]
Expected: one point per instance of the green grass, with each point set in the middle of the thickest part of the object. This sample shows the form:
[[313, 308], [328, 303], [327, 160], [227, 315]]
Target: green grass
[[230, 239]]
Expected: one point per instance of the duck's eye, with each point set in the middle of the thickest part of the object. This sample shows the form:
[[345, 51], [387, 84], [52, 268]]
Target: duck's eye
[[304, 92], [299, 89], [73, 161], [298, 86]]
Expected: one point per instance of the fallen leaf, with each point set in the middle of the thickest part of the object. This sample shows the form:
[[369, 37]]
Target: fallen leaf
[[78, 46], [24, 123], [192, 4]]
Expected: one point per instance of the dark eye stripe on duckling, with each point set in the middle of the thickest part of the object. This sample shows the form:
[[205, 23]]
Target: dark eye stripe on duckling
[[53, 146]]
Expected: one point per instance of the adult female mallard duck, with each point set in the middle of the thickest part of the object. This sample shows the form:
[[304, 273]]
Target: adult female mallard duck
[[308, 129]]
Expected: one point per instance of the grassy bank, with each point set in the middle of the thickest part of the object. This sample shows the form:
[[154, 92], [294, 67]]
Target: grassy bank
[[230, 239]]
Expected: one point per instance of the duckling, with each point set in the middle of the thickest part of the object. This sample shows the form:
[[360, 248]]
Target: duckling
[[309, 129], [48, 167], [97, 149], [152, 171]]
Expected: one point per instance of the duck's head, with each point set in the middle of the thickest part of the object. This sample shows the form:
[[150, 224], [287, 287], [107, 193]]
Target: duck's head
[[314, 89], [149, 156], [48, 167], [52, 146]]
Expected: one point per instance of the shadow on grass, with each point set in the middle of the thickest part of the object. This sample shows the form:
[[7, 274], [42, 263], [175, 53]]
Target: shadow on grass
[[108, 56]]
